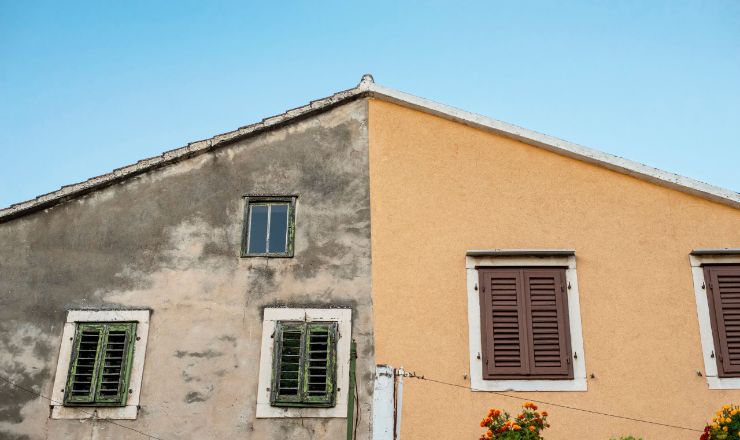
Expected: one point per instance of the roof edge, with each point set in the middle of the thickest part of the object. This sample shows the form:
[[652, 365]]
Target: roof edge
[[559, 146], [190, 150], [367, 87]]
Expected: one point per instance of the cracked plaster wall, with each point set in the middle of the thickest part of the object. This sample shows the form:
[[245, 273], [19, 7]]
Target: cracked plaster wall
[[169, 240]]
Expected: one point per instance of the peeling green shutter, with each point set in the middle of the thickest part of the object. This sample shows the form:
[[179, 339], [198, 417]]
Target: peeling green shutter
[[101, 364], [83, 371], [288, 354], [304, 370], [318, 385]]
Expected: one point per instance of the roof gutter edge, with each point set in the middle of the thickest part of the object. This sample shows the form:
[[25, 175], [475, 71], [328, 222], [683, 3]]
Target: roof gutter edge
[[562, 147]]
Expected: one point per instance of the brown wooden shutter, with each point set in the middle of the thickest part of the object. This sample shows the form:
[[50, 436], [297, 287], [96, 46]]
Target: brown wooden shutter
[[524, 323], [549, 332], [724, 304], [504, 339]]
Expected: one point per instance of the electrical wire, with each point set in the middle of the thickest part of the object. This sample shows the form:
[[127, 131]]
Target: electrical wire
[[13, 384], [413, 375]]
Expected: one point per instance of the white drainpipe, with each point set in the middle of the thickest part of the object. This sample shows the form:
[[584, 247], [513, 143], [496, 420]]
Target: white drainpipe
[[384, 422], [399, 403]]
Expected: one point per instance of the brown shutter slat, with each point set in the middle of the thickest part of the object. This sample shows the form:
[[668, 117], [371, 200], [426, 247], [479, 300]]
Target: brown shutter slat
[[503, 334], [547, 319], [724, 303]]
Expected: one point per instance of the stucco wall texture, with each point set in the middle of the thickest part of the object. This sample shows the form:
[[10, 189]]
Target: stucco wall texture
[[169, 240], [440, 188]]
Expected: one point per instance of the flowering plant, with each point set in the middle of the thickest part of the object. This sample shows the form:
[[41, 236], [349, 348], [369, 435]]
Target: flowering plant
[[525, 426], [725, 425]]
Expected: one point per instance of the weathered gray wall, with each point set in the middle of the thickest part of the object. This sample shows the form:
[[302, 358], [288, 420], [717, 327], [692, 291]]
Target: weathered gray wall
[[169, 240]]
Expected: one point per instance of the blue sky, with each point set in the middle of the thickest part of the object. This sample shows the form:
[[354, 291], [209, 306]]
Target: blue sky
[[87, 87]]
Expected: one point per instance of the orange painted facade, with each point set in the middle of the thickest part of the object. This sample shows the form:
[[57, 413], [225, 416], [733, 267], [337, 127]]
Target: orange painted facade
[[439, 188]]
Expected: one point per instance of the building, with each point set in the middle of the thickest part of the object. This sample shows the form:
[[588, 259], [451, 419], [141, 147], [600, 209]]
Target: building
[[215, 291]]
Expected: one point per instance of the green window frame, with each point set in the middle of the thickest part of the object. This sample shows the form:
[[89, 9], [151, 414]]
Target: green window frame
[[276, 214], [304, 364], [100, 365]]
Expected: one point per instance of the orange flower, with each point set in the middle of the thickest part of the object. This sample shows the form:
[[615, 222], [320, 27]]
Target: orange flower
[[516, 427], [544, 413], [532, 428]]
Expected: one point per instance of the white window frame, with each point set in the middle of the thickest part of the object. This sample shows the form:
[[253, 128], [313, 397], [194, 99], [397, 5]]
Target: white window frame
[[524, 258], [343, 318], [128, 412], [705, 321]]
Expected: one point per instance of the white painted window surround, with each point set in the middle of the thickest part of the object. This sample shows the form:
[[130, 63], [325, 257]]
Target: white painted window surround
[[128, 412], [705, 323], [343, 318], [519, 258]]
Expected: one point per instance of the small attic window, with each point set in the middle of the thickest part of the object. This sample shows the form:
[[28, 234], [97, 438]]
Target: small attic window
[[269, 226]]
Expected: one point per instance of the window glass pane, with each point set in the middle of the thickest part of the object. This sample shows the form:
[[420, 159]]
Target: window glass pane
[[278, 228], [257, 229]]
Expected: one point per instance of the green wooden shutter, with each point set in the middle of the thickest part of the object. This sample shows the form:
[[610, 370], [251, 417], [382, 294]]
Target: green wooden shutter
[[320, 360], [304, 369], [115, 363], [101, 364], [289, 339], [82, 377]]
